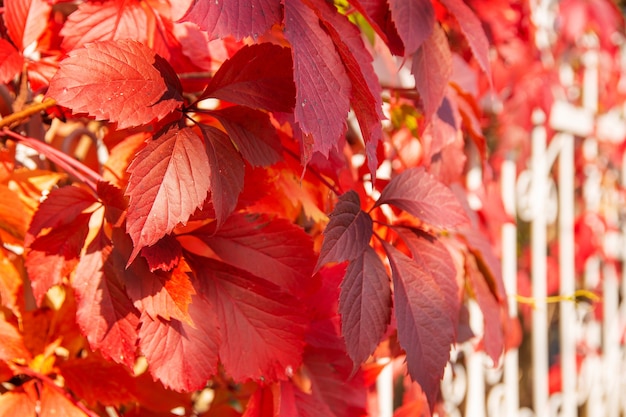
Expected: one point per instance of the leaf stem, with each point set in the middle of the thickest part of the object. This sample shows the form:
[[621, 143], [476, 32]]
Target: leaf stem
[[13, 119], [69, 164]]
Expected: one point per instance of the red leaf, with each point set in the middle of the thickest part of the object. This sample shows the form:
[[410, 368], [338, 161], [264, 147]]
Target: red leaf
[[420, 194], [104, 313], [263, 326], [95, 380], [253, 133], [323, 87], [348, 232], [274, 249], [257, 76], [14, 217], [364, 305], [159, 295], [127, 72], [423, 287], [26, 20], [227, 172], [107, 21], [238, 18], [432, 255], [163, 255], [12, 346], [432, 68], [493, 336], [181, 356], [53, 403], [61, 207], [473, 30], [366, 95], [11, 61], [169, 180], [334, 394], [18, 403], [414, 20], [54, 256], [487, 261]]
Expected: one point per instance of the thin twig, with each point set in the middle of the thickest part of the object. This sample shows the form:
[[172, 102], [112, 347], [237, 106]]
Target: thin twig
[[14, 119]]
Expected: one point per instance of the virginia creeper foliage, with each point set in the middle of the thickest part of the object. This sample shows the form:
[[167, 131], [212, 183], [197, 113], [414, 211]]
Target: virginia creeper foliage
[[236, 197]]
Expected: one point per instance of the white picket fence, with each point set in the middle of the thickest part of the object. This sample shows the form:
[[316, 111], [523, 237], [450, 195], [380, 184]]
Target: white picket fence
[[590, 347], [591, 351]]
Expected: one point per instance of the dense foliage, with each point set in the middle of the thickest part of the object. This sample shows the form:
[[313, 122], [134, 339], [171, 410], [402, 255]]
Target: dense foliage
[[248, 201]]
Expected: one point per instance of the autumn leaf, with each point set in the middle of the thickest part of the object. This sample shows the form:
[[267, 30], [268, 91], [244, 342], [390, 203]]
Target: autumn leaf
[[11, 61], [109, 21], [473, 30], [493, 335], [420, 194], [182, 356], [262, 326], [253, 133], [25, 21], [257, 76], [366, 93], [322, 85], [13, 215], [124, 74], [169, 180], [348, 232], [104, 312], [226, 169], [54, 403], [97, 381], [364, 305], [161, 295], [274, 249], [432, 68], [239, 18], [54, 256], [414, 20], [61, 207], [423, 287]]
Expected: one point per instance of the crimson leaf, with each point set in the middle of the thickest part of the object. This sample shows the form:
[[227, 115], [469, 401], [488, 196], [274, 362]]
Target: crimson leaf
[[161, 295], [473, 31], [323, 86], [364, 305], [348, 232], [127, 72], [420, 194], [493, 337], [54, 255], [414, 20], [238, 18], [59, 209], [262, 326], [252, 132], [26, 20], [112, 20], [168, 181], [257, 76], [271, 248], [11, 61], [432, 68], [183, 357], [366, 97], [104, 313], [423, 287], [227, 171]]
